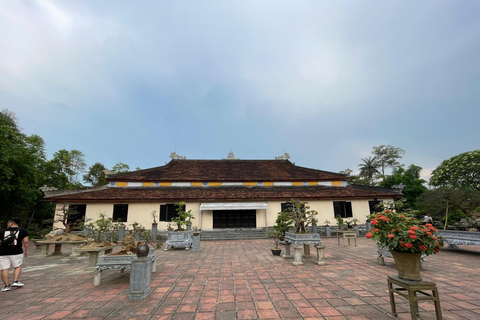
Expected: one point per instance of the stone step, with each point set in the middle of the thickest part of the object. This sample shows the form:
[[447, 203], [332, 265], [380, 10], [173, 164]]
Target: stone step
[[233, 234]]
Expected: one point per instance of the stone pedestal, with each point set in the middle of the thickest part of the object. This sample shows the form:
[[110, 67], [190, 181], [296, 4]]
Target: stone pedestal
[[196, 243], [314, 228], [297, 255], [328, 231], [306, 251], [121, 233], [154, 231], [140, 278], [320, 255], [287, 254]]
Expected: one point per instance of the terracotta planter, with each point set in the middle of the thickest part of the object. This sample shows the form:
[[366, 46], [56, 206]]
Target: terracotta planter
[[276, 252], [408, 265]]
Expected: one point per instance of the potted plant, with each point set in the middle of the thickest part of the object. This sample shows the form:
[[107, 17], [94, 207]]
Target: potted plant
[[298, 212], [283, 224], [183, 217], [275, 235], [406, 238]]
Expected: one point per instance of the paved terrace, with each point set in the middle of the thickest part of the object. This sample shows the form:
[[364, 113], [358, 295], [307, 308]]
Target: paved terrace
[[242, 280]]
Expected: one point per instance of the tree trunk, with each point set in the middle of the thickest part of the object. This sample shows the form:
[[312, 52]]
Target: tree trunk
[[446, 218]]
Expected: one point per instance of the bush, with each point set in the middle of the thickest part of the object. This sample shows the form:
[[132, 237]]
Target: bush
[[454, 217]]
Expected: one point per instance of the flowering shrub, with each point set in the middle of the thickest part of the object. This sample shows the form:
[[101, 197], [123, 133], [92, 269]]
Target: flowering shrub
[[403, 233]]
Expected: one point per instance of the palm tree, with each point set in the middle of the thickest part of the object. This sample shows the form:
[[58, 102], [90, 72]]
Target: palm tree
[[369, 168]]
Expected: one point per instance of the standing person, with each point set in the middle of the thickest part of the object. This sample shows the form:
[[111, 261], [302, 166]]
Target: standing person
[[427, 219], [11, 252]]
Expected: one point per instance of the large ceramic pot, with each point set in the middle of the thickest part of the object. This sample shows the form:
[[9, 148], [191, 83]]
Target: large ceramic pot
[[408, 265], [142, 250], [276, 252]]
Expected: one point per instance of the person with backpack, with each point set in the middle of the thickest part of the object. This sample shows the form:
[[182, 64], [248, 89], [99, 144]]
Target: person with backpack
[[11, 252]]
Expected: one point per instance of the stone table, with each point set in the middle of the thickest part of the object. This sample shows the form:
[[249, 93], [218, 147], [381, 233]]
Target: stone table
[[118, 262], [303, 241], [58, 247], [94, 252], [179, 239]]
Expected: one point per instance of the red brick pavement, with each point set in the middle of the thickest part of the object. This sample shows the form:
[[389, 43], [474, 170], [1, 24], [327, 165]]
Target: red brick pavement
[[242, 280]]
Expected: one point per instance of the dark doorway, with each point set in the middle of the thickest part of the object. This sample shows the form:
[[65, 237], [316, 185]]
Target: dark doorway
[[234, 219]]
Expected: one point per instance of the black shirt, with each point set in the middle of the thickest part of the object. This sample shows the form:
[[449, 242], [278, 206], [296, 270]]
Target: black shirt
[[15, 247]]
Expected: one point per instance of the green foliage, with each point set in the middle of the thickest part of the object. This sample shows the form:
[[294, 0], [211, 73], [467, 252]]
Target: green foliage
[[438, 200], [283, 224], [345, 225], [460, 171], [454, 217], [410, 178], [120, 168], [96, 175]]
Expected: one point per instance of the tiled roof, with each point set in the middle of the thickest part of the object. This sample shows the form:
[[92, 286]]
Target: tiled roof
[[229, 170], [174, 194]]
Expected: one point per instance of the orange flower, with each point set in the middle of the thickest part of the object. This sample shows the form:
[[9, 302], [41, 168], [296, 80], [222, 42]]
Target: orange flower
[[412, 236], [414, 228], [408, 245], [369, 235], [411, 232], [391, 235]]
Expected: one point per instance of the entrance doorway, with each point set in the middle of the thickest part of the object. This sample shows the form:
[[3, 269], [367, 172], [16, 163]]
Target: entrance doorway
[[234, 219]]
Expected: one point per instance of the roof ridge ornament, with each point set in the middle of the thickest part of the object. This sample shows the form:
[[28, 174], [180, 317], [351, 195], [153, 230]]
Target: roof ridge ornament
[[175, 156], [230, 156], [285, 156]]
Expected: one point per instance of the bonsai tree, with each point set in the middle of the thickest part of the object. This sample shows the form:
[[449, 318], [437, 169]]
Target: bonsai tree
[[183, 217], [64, 215], [275, 235], [283, 224], [327, 223], [345, 225], [101, 228], [300, 214]]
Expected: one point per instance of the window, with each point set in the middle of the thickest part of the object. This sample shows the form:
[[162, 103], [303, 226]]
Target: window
[[76, 214], [286, 205], [375, 206], [168, 211], [120, 212], [342, 209]]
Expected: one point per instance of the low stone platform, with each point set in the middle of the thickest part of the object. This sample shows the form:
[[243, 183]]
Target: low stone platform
[[242, 280]]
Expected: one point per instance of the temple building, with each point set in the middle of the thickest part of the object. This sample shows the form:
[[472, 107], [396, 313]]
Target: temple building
[[228, 193]]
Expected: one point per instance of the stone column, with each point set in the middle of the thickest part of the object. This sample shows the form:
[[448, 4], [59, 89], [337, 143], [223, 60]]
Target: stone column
[[328, 232], [287, 254], [306, 251], [320, 255], [58, 249], [357, 232], [74, 252], [297, 255], [196, 243], [121, 232], [368, 226], [314, 228], [140, 278], [154, 231], [45, 249]]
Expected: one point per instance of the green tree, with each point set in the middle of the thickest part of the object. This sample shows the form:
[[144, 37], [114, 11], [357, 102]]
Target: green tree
[[22, 159], [460, 171], [71, 163], [96, 175], [120, 168], [369, 170], [410, 179], [387, 157]]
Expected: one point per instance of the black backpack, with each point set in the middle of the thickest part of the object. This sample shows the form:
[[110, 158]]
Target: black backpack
[[9, 238]]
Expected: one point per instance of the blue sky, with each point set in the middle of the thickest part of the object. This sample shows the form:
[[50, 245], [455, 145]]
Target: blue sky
[[325, 81]]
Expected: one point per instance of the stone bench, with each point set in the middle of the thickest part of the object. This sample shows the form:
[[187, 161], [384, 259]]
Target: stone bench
[[455, 237], [45, 244], [94, 253]]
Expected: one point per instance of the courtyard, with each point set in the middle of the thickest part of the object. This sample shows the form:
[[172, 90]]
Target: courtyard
[[242, 280]]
